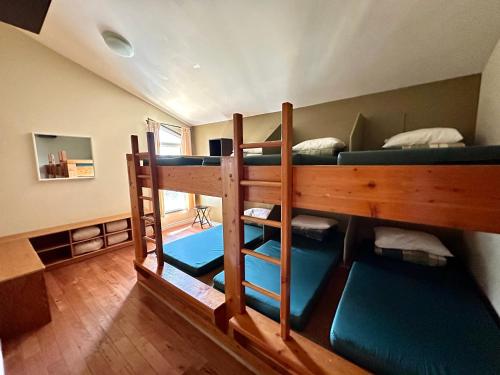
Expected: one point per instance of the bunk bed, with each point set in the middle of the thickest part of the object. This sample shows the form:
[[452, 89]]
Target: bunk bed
[[453, 196]]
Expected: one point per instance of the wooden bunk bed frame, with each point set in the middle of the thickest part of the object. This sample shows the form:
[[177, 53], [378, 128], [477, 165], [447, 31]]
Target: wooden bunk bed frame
[[453, 196]]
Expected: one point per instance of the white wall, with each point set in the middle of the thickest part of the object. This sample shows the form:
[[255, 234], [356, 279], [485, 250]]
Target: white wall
[[483, 252], [41, 91]]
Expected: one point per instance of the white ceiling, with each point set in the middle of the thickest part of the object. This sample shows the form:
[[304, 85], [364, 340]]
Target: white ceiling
[[256, 54]]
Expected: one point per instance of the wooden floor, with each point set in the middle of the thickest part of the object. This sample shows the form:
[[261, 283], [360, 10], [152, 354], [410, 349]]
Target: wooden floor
[[320, 322], [103, 323]]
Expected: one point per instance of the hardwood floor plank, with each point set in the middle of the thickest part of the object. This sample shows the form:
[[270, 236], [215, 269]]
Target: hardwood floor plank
[[104, 323]]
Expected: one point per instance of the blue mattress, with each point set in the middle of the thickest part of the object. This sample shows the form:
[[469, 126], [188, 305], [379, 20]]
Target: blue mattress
[[204, 251], [425, 156], [312, 263], [401, 318]]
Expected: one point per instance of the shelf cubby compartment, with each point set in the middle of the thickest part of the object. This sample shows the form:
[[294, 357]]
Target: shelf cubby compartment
[[60, 254], [127, 231], [48, 242], [56, 247], [97, 235]]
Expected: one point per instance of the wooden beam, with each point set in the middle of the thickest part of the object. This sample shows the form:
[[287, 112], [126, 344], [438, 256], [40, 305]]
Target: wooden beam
[[196, 179], [232, 239], [266, 144], [261, 290], [453, 196], [286, 215], [298, 355], [264, 257], [239, 265], [257, 220]]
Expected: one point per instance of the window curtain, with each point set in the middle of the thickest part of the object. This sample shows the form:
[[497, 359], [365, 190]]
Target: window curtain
[[186, 149], [153, 126]]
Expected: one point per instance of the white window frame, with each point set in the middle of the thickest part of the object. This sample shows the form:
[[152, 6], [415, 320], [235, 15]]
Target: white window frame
[[169, 144]]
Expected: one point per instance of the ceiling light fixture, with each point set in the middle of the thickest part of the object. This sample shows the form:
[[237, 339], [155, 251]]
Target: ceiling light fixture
[[196, 66], [118, 44]]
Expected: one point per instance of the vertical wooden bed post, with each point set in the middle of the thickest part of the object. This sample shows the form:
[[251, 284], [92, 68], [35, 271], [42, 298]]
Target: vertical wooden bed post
[[232, 206], [286, 215], [135, 203], [240, 237]]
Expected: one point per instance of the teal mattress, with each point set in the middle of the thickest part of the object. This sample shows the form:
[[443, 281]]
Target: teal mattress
[[202, 252], [312, 264], [275, 159], [426, 156], [400, 318]]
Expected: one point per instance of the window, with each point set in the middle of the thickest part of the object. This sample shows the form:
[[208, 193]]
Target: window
[[170, 144]]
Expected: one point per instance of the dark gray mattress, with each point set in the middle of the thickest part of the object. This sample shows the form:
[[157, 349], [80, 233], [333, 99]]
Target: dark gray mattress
[[427, 156], [275, 159], [177, 160]]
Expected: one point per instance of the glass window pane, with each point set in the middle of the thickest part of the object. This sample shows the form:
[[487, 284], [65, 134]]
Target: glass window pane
[[174, 201], [167, 136], [169, 150]]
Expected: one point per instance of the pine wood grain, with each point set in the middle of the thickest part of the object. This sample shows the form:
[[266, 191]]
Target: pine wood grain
[[453, 196], [297, 355]]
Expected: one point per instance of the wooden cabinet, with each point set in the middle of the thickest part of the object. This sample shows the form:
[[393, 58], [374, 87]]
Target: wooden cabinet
[[24, 303], [59, 245]]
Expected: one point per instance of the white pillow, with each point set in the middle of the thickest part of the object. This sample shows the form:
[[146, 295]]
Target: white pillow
[[85, 233], [403, 239], [117, 238], [313, 222], [261, 213], [88, 246], [115, 226], [251, 151], [319, 144], [424, 136], [254, 151]]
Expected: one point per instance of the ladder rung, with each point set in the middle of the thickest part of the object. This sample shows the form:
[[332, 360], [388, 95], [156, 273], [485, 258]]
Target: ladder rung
[[151, 251], [261, 290], [148, 218], [143, 197], [267, 258], [145, 176], [149, 239], [260, 183], [261, 144], [256, 220]]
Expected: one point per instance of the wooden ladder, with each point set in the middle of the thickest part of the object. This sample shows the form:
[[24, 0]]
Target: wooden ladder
[[286, 213], [143, 220]]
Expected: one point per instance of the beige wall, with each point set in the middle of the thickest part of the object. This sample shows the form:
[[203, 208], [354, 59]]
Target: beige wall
[[483, 251], [445, 103], [41, 91]]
